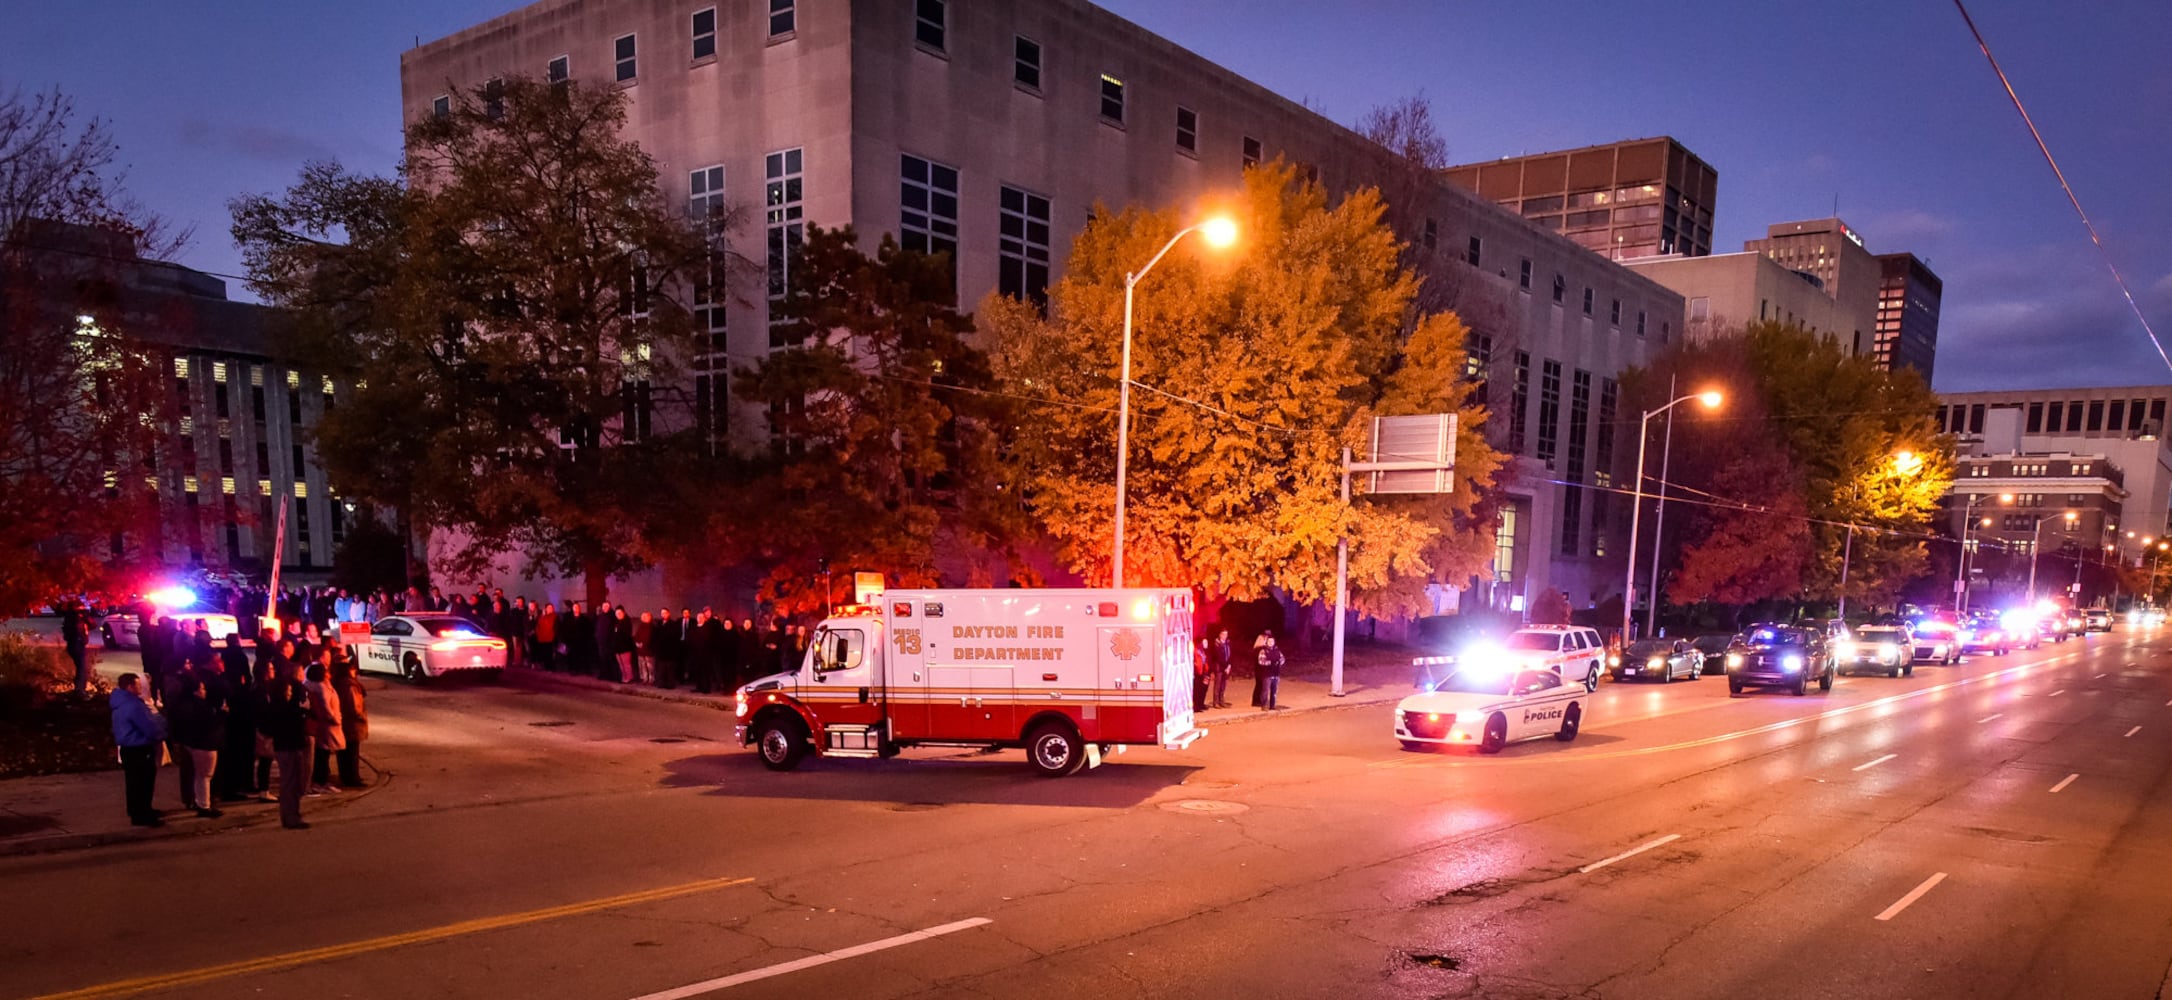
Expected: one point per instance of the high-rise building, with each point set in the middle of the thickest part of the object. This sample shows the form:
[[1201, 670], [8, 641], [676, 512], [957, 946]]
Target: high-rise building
[[2125, 425], [1813, 274], [1908, 294], [1635, 198], [992, 130]]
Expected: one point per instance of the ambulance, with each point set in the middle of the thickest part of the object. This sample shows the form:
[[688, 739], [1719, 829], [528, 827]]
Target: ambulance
[[1067, 675]]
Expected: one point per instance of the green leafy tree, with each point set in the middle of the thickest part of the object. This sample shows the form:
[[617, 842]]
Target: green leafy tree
[[513, 307], [887, 432], [1254, 369]]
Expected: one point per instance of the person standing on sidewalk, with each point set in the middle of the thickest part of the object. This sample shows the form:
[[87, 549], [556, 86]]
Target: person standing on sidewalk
[[75, 634], [139, 733], [234, 779], [644, 648], [1219, 662], [284, 717], [1201, 668], [326, 733], [622, 645], [154, 642], [199, 729], [354, 722], [1270, 671], [664, 645]]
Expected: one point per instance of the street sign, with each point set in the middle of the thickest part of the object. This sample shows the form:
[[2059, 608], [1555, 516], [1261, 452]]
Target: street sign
[[1415, 454]]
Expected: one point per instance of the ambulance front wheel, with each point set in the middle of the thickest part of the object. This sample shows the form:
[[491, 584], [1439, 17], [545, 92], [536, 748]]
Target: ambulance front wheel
[[780, 743], [1055, 750]]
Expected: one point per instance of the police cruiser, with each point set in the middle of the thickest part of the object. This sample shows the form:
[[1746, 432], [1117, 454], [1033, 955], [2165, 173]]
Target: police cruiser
[[1489, 702]]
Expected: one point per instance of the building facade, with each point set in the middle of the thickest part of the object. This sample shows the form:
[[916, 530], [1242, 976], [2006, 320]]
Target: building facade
[[1635, 198], [1724, 292], [2124, 425], [1908, 297], [993, 131], [233, 429]]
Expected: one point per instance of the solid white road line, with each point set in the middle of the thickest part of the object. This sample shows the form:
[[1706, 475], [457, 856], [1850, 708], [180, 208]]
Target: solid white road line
[[1661, 842], [2133, 731], [1988, 718], [1875, 763], [1913, 895], [2057, 693], [2063, 782], [727, 982], [2099, 677]]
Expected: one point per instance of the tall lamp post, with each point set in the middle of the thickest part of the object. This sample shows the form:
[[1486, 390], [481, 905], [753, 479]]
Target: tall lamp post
[[1711, 400], [1905, 463], [1960, 564], [2036, 535], [1219, 231]]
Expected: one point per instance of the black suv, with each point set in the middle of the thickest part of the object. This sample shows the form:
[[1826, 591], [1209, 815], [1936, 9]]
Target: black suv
[[1771, 655]]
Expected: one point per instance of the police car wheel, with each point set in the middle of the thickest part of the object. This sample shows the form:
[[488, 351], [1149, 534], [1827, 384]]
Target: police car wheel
[[411, 668], [1569, 720], [1496, 734], [1909, 670], [1801, 686], [780, 744], [1734, 686], [1055, 750], [1825, 681]]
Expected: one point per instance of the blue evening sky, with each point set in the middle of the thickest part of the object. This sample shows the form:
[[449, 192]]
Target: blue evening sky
[[1886, 104]]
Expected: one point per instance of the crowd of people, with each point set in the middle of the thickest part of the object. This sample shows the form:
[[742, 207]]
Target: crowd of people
[[228, 723]]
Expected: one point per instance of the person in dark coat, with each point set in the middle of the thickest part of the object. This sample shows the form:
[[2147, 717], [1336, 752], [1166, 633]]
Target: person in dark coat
[[154, 642], [576, 631], [701, 637], [75, 635], [731, 652], [1219, 662], [644, 649], [283, 716], [622, 645], [235, 779], [664, 639], [751, 651], [199, 728], [1270, 672], [605, 663]]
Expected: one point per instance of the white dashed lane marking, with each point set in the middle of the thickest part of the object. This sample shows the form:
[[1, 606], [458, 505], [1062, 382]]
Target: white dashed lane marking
[[2063, 782], [1913, 895], [1875, 763], [1632, 852]]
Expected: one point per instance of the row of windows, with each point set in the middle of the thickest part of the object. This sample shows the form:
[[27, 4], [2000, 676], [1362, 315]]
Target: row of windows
[[2143, 416], [626, 52]]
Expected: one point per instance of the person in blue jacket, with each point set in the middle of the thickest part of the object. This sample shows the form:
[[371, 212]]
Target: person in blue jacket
[[139, 732]]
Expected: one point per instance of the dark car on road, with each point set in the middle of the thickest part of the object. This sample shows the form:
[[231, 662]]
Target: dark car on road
[[1659, 659], [1714, 647], [1772, 655]]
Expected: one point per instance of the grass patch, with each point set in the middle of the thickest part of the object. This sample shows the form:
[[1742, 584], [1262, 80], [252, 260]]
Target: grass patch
[[44, 727]]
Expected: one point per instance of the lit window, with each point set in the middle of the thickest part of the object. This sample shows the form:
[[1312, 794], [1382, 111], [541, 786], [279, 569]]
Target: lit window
[[226, 485], [301, 490], [705, 33], [256, 376], [931, 23], [263, 487], [1026, 62], [218, 371], [622, 55], [294, 379], [1187, 129], [783, 18], [327, 385], [1112, 99]]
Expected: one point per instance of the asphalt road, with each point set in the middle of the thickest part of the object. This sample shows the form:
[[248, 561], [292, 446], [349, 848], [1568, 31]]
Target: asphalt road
[[1998, 828]]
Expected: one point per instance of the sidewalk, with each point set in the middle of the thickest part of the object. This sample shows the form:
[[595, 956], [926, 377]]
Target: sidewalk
[[65, 812]]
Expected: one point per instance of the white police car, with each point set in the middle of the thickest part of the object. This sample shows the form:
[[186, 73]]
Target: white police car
[[1489, 703], [431, 644]]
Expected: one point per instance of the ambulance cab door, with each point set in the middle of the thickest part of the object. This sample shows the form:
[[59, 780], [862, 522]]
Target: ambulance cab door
[[841, 681], [904, 683]]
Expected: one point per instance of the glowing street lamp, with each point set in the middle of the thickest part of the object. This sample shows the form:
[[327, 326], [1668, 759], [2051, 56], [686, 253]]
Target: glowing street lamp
[[1960, 565], [2036, 535], [1711, 400], [1219, 231]]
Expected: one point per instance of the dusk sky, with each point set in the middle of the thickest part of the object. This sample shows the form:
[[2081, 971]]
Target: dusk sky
[[1887, 106]]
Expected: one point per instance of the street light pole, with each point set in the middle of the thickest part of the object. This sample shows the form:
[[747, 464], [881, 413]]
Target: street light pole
[[2036, 535], [1636, 510], [1219, 232]]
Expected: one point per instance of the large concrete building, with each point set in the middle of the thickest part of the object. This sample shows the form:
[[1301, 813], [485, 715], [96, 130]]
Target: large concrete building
[[991, 130], [1726, 291], [2124, 425], [234, 424], [1628, 199], [1908, 297]]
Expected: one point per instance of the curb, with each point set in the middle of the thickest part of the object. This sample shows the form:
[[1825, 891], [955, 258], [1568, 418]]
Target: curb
[[1352, 700], [65, 842]]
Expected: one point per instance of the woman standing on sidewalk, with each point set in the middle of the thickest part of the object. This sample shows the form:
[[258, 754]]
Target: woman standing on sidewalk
[[325, 729], [199, 728], [354, 722]]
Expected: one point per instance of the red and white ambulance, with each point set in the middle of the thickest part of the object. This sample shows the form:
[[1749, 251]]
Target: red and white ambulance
[[1066, 674]]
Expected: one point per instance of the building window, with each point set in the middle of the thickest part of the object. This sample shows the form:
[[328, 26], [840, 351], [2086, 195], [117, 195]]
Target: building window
[[2096, 415], [494, 99], [1523, 275], [705, 205], [1587, 300], [2073, 417], [1519, 400], [1640, 322], [1579, 423], [784, 218], [1572, 512], [928, 214], [1613, 314], [1026, 62], [1251, 152], [622, 55], [1561, 288], [1666, 331], [1112, 100], [2052, 422], [2118, 419], [1023, 272], [783, 18], [930, 23], [1549, 412], [1602, 469], [1187, 129], [705, 33], [638, 410], [705, 195], [1431, 239], [558, 70], [440, 106], [1475, 252]]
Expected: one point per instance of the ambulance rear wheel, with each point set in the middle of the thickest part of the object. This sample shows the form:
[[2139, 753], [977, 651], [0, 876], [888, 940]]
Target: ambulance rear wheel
[[780, 743], [1055, 750]]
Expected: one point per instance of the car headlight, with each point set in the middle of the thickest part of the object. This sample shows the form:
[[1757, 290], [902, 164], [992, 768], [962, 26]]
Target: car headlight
[[1888, 649], [1791, 663], [1655, 662], [1734, 659], [1844, 648]]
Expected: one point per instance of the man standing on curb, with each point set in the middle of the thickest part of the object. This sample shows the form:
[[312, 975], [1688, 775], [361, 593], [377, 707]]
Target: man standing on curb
[[285, 718], [139, 735], [1270, 672], [1219, 664]]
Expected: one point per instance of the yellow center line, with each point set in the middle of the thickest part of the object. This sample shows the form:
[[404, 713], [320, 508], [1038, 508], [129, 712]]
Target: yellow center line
[[272, 963]]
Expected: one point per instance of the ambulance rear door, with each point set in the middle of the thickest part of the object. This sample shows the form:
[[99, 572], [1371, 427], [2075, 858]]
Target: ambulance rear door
[[905, 681]]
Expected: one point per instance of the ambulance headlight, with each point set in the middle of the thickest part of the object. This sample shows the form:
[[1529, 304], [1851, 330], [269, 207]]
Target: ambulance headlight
[[739, 708]]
